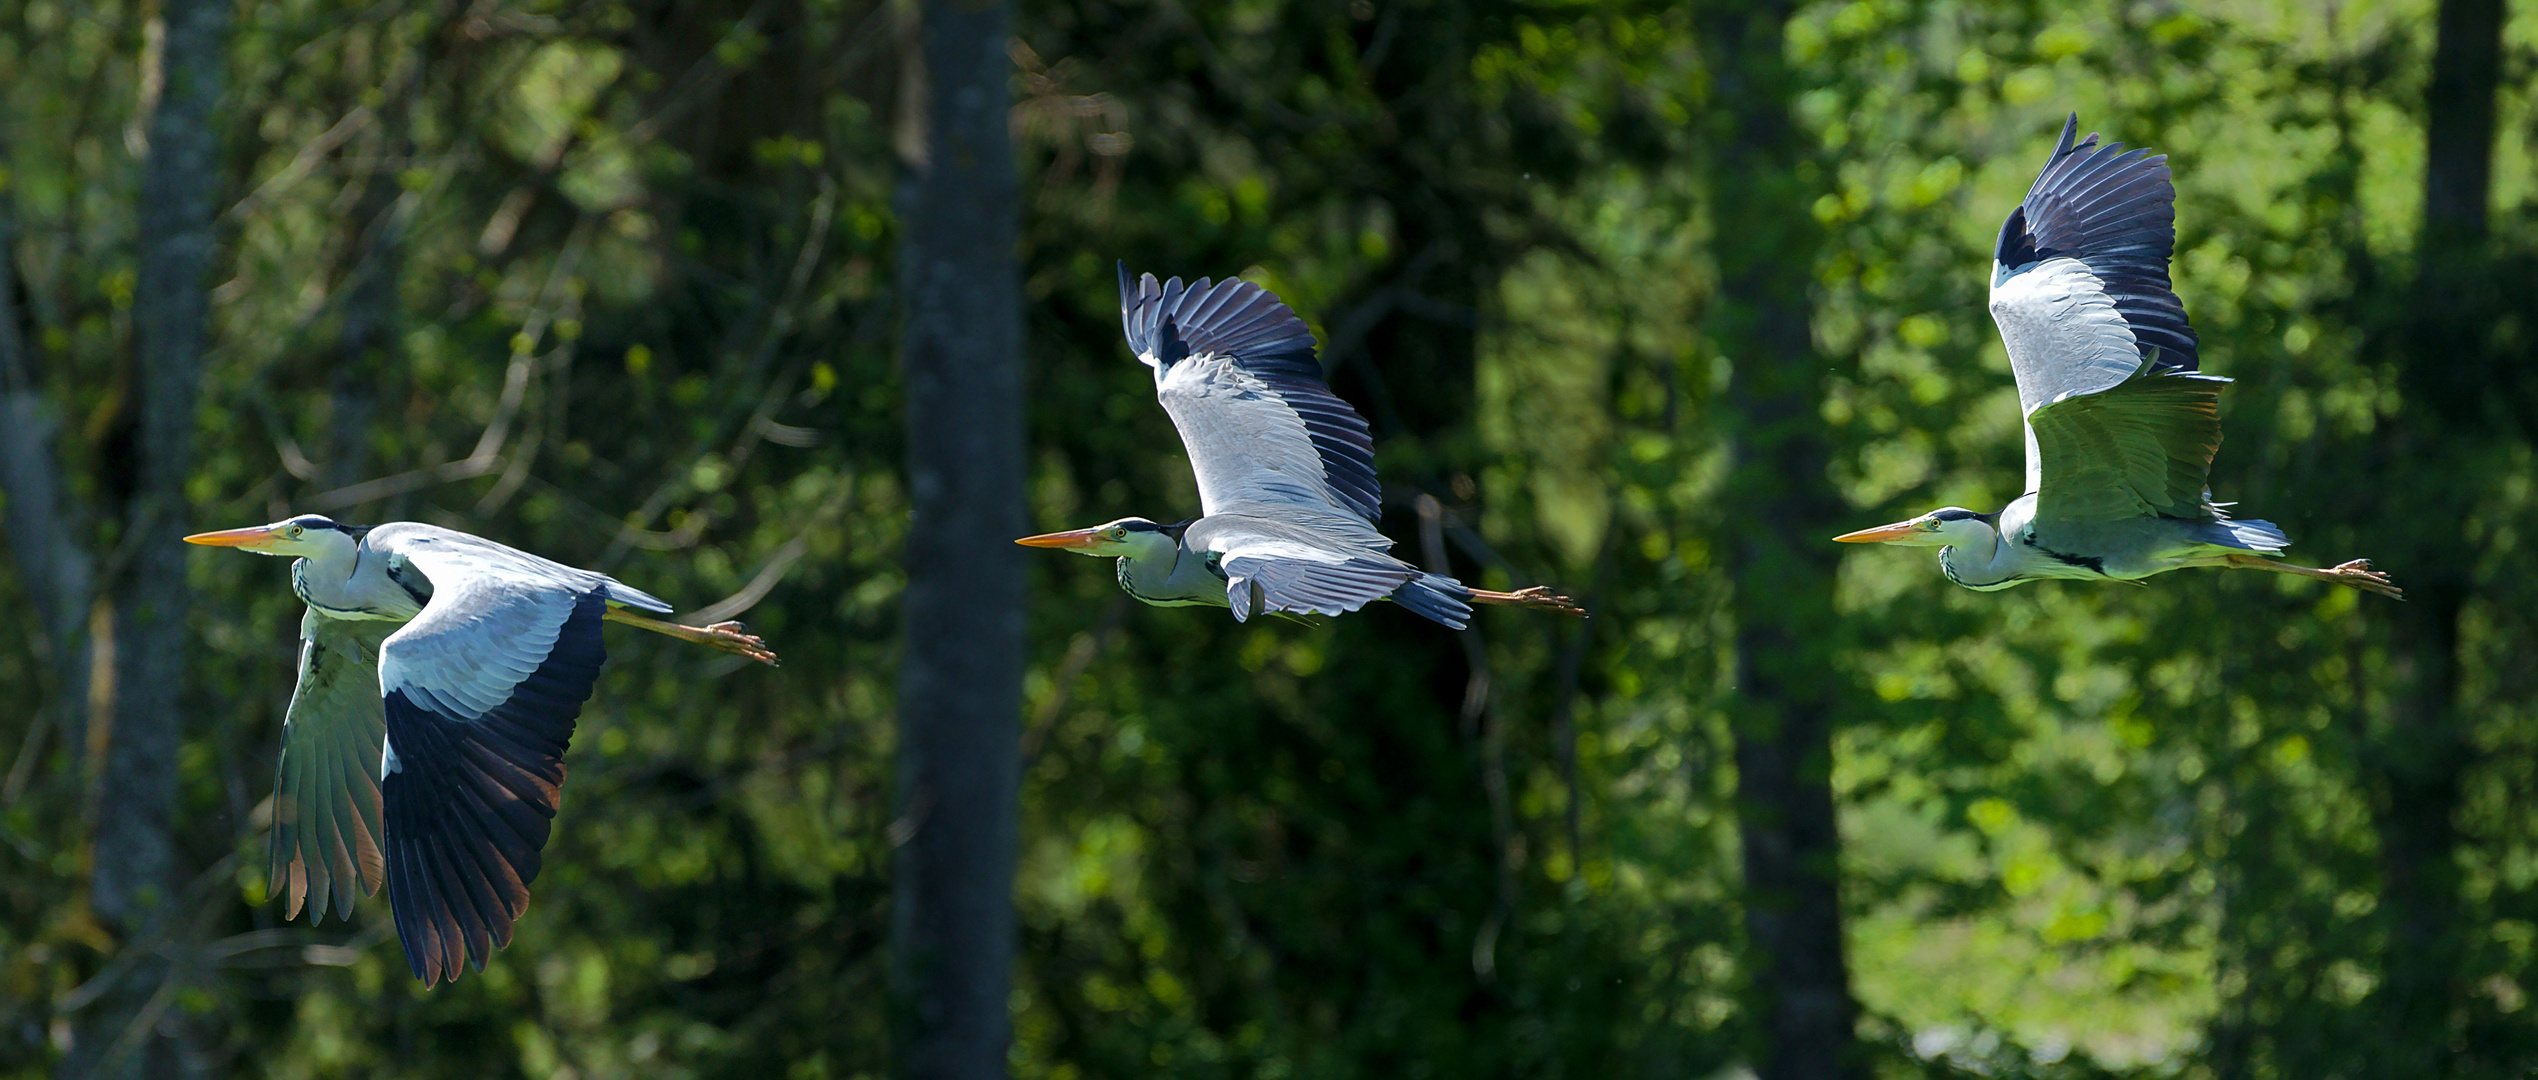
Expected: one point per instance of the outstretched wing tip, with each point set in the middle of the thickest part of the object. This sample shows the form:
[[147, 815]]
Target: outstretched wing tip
[[2113, 211], [467, 812]]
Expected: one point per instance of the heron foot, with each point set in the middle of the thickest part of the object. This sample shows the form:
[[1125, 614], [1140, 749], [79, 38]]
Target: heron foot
[[2359, 575], [730, 637], [2355, 574], [1537, 596], [735, 638]]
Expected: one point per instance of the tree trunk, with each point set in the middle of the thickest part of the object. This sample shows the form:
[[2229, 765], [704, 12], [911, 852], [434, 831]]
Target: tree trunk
[[2449, 372], [1783, 508], [45, 528], [133, 886], [960, 690]]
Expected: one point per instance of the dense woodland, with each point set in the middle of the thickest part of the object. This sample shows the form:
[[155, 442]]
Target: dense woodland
[[1643, 300]]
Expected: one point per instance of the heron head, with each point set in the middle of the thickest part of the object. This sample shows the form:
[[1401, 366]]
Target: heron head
[[305, 536], [1944, 527], [1126, 538]]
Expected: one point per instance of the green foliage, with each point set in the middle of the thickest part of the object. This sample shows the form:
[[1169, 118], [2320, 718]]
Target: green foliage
[[638, 315]]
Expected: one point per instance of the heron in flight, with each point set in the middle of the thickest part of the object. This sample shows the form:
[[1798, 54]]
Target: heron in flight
[[1286, 472], [440, 674], [2121, 426]]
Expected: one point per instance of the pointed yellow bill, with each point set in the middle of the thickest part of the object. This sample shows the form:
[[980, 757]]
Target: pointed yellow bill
[[1878, 535], [1079, 538], [237, 538]]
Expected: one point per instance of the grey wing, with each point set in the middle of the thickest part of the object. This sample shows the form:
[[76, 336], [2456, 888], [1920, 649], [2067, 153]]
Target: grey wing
[[2141, 449], [1236, 370], [326, 829], [1314, 567], [481, 693], [2080, 286], [402, 541]]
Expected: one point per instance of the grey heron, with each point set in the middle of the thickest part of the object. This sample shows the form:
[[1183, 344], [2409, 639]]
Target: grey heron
[[2121, 424], [440, 675], [1285, 469]]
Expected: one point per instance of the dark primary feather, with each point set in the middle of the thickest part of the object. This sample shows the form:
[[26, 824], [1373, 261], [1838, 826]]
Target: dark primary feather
[[469, 808], [1168, 322], [2114, 210]]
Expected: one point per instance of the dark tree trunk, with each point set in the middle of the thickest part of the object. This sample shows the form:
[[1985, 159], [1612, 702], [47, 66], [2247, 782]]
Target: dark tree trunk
[[1783, 507], [960, 692], [45, 529], [134, 883], [2450, 375]]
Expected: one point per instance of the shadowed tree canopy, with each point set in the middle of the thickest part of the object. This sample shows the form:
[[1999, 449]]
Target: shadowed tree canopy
[[1642, 301]]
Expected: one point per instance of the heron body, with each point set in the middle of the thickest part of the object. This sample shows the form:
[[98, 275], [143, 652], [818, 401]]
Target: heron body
[[1285, 470], [2121, 425], [440, 678]]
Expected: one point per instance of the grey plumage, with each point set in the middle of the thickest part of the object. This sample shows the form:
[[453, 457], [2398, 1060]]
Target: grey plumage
[[1285, 470], [2121, 425], [440, 678]]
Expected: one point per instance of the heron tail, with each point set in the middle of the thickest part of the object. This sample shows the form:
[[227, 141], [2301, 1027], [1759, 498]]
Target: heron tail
[[2246, 534], [1438, 597], [622, 595]]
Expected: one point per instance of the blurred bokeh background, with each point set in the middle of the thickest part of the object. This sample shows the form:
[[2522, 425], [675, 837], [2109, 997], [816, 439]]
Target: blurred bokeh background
[[1648, 298]]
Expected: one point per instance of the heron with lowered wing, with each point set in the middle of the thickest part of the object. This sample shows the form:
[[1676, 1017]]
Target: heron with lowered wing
[[440, 676]]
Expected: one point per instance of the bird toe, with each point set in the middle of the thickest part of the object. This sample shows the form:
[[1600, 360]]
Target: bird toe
[[735, 638]]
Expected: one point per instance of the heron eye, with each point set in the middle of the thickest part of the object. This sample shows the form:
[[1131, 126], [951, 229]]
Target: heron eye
[[296, 531]]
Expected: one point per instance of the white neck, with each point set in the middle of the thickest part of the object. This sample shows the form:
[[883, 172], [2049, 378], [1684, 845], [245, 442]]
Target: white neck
[[347, 581], [1171, 577], [1987, 563], [1988, 556]]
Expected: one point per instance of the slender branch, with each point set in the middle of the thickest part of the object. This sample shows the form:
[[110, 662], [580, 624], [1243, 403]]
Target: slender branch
[[764, 581], [1079, 655]]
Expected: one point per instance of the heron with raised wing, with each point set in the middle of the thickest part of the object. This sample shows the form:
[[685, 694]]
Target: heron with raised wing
[[1285, 469], [2121, 424], [440, 675]]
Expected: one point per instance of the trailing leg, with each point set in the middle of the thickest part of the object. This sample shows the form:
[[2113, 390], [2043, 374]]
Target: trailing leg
[[730, 637], [2355, 574], [1535, 597]]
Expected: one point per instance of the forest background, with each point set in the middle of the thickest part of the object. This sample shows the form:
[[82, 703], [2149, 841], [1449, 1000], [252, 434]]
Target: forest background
[[1643, 300]]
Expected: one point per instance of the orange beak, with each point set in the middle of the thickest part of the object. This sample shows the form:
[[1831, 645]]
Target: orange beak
[[249, 538], [1080, 538], [1879, 535]]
